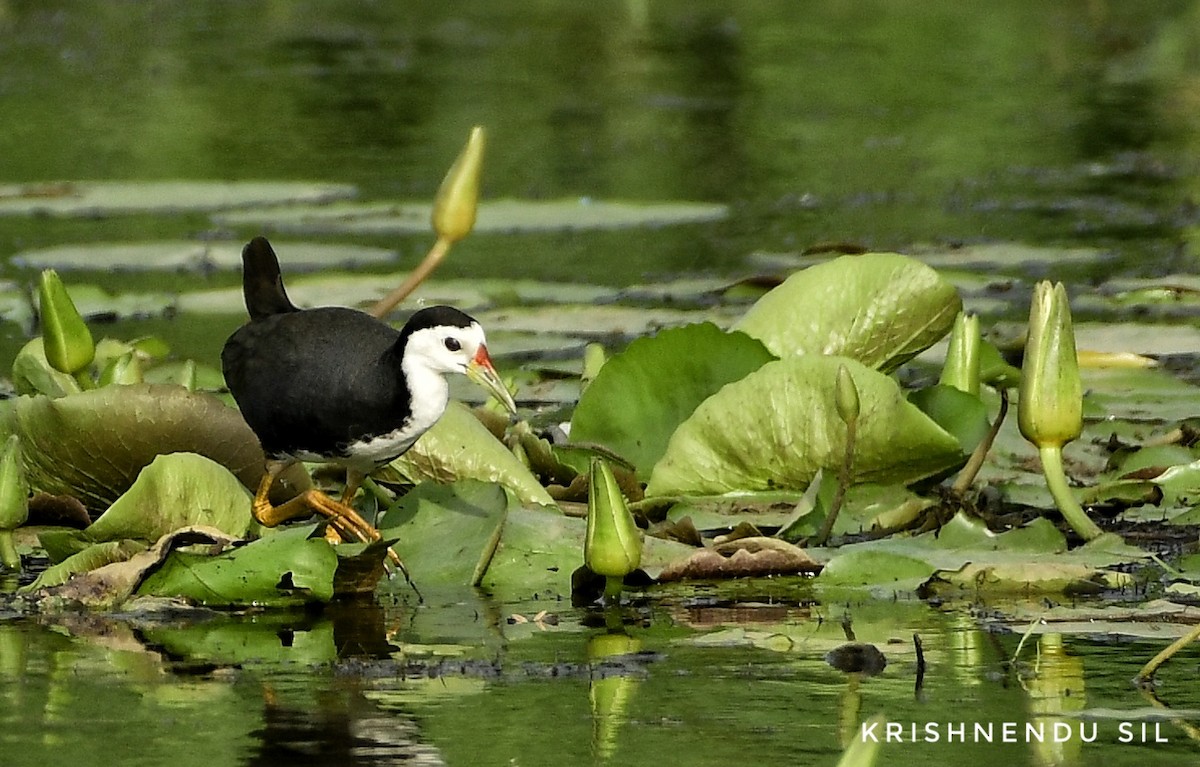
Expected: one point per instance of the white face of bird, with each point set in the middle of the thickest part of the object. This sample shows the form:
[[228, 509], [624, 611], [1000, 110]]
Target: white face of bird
[[453, 349]]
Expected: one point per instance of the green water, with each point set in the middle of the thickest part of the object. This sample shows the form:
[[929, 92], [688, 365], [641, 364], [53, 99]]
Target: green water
[[882, 124], [456, 682]]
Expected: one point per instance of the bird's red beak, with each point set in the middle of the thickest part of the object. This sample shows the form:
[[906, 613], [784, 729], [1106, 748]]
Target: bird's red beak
[[483, 372]]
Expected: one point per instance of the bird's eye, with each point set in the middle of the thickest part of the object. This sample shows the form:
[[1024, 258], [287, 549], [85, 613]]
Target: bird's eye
[[452, 344]]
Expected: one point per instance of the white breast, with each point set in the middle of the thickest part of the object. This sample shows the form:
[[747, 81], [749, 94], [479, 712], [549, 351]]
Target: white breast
[[429, 394]]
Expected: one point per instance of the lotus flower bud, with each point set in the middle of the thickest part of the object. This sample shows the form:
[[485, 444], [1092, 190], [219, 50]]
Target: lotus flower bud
[[458, 197], [962, 358], [845, 395], [14, 500], [68, 342], [613, 547], [1050, 410]]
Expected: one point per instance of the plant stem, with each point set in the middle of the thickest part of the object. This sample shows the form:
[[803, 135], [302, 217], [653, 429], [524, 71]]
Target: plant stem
[[86, 383], [1056, 480], [843, 482], [975, 462], [9, 557], [415, 278], [1183, 641], [613, 586]]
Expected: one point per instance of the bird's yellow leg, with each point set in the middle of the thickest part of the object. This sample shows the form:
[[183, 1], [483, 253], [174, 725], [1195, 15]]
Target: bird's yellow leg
[[343, 519]]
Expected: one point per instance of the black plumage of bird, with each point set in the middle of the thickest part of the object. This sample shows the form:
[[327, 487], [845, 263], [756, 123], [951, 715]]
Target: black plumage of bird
[[337, 385]]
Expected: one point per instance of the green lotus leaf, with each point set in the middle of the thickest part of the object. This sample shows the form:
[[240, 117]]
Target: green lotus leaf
[[642, 394], [174, 491], [447, 534], [777, 426], [93, 557], [91, 198], [460, 447], [92, 445], [33, 374], [494, 216], [880, 309], [292, 567], [963, 415]]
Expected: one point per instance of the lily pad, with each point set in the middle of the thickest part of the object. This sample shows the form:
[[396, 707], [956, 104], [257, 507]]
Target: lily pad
[[641, 395], [356, 290], [95, 303], [94, 444], [597, 321], [447, 534], [108, 581], [776, 427], [495, 216], [186, 255], [174, 491], [460, 447], [99, 198], [291, 567], [881, 309]]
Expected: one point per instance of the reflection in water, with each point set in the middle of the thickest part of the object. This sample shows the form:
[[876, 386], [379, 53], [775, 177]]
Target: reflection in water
[[342, 731]]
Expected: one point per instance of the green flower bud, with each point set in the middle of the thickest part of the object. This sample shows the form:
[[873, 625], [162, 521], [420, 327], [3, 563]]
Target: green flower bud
[[1050, 409], [68, 342], [962, 358], [125, 369], [594, 358], [458, 197], [845, 396], [14, 500], [613, 547]]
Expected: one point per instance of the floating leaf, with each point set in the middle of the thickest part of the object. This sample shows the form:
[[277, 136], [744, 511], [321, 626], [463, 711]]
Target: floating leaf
[[494, 216], [97, 198], [743, 558], [112, 579], [291, 567], [174, 491], [118, 430], [880, 309], [777, 426], [447, 534], [642, 394], [460, 447], [595, 321], [93, 557], [186, 255]]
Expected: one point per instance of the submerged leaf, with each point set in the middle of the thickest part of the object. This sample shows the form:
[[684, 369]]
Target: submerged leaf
[[880, 309], [642, 394], [777, 426]]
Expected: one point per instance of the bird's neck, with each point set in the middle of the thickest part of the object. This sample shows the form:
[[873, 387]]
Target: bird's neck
[[428, 394]]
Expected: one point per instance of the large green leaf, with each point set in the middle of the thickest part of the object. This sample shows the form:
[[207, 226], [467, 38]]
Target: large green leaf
[[642, 394], [447, 534], [460, 447], [880, 309], [174, 491], [776, 427], [93, 445], [292, 567]]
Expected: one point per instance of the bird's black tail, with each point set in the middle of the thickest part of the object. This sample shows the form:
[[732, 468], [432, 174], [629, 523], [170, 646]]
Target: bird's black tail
[[262, 283]]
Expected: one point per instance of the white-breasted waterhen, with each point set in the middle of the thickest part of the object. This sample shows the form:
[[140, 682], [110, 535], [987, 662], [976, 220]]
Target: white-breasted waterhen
[[337, 385]]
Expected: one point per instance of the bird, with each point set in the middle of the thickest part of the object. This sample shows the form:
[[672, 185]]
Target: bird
[[336, 385]]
